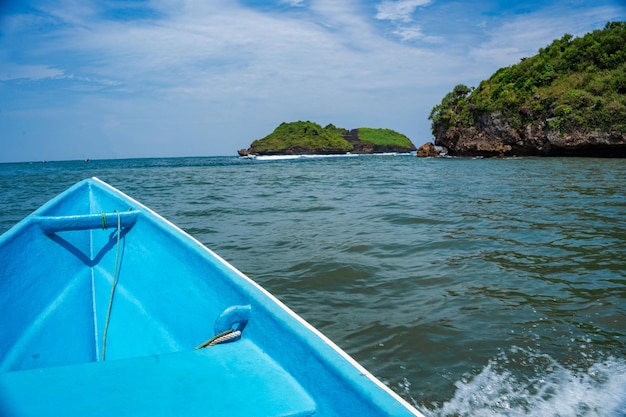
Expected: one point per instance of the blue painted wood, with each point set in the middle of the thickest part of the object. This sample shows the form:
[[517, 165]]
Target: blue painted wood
[[56, 273]]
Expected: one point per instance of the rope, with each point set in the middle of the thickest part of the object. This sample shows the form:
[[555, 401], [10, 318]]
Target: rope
[[104, 221], [115, 279], [223, 337]]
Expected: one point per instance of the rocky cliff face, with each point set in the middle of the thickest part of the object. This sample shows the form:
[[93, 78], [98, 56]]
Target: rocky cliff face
[[494, 135]]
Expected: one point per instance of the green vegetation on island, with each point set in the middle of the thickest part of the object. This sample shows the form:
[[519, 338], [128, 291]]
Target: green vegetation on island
[[572, 90], [383, 137], [311, 138], [300, 137]]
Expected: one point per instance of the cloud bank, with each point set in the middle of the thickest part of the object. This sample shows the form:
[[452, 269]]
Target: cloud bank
[[171, 78]]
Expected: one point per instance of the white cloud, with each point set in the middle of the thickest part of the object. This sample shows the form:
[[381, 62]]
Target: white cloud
[[523, 35], [413, 33], [294, 3], [401, 10], [400, 14], [32, 72], [215, 75], [237, 52], [409, 33]]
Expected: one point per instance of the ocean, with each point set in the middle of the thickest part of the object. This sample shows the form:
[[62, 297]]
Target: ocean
[[472, 287]]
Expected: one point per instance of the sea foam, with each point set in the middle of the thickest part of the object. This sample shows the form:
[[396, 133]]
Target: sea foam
[[311, 156], [534, 384]]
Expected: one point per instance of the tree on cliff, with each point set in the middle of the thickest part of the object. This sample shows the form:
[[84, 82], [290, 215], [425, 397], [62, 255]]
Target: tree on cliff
[[572, 85], [454, 108]]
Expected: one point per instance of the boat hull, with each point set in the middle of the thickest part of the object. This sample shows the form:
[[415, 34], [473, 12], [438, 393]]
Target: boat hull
[[104, 301]]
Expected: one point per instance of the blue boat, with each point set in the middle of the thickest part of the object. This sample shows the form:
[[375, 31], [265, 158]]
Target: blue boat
[[108, 309]]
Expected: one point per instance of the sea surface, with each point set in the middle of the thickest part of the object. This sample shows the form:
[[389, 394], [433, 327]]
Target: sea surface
[[472, 287]]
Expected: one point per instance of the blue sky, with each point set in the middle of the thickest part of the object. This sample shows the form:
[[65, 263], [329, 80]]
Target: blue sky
[[120, 79]]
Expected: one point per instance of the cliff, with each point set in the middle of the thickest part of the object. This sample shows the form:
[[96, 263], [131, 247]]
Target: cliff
[[568, 100], [495, 135], [310, 138]]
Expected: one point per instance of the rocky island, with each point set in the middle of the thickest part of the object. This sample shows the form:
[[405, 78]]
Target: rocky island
[[297, 138], [568, 100]]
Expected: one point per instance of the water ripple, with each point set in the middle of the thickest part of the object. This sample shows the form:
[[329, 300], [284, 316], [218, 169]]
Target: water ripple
[[464, 284]]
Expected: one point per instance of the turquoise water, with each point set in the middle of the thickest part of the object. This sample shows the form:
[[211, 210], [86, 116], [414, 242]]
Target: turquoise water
[[473, 287]]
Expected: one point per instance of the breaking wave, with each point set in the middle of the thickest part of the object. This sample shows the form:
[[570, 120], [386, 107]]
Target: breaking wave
[[526, 383], [305, 156]]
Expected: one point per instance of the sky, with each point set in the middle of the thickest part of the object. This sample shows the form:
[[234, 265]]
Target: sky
[[105, 79]]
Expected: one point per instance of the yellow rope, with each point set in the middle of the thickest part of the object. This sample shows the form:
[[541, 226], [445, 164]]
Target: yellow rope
[[115, 279], [225, 336]]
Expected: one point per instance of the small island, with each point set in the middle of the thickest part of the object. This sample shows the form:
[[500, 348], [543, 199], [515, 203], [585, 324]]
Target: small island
[[568, 100], [309, 138]]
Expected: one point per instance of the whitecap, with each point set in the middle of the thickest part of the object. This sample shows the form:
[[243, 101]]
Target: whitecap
[[505, 389], [315, 156]]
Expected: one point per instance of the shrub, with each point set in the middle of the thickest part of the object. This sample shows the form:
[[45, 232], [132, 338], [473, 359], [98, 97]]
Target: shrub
[[572, 83]]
